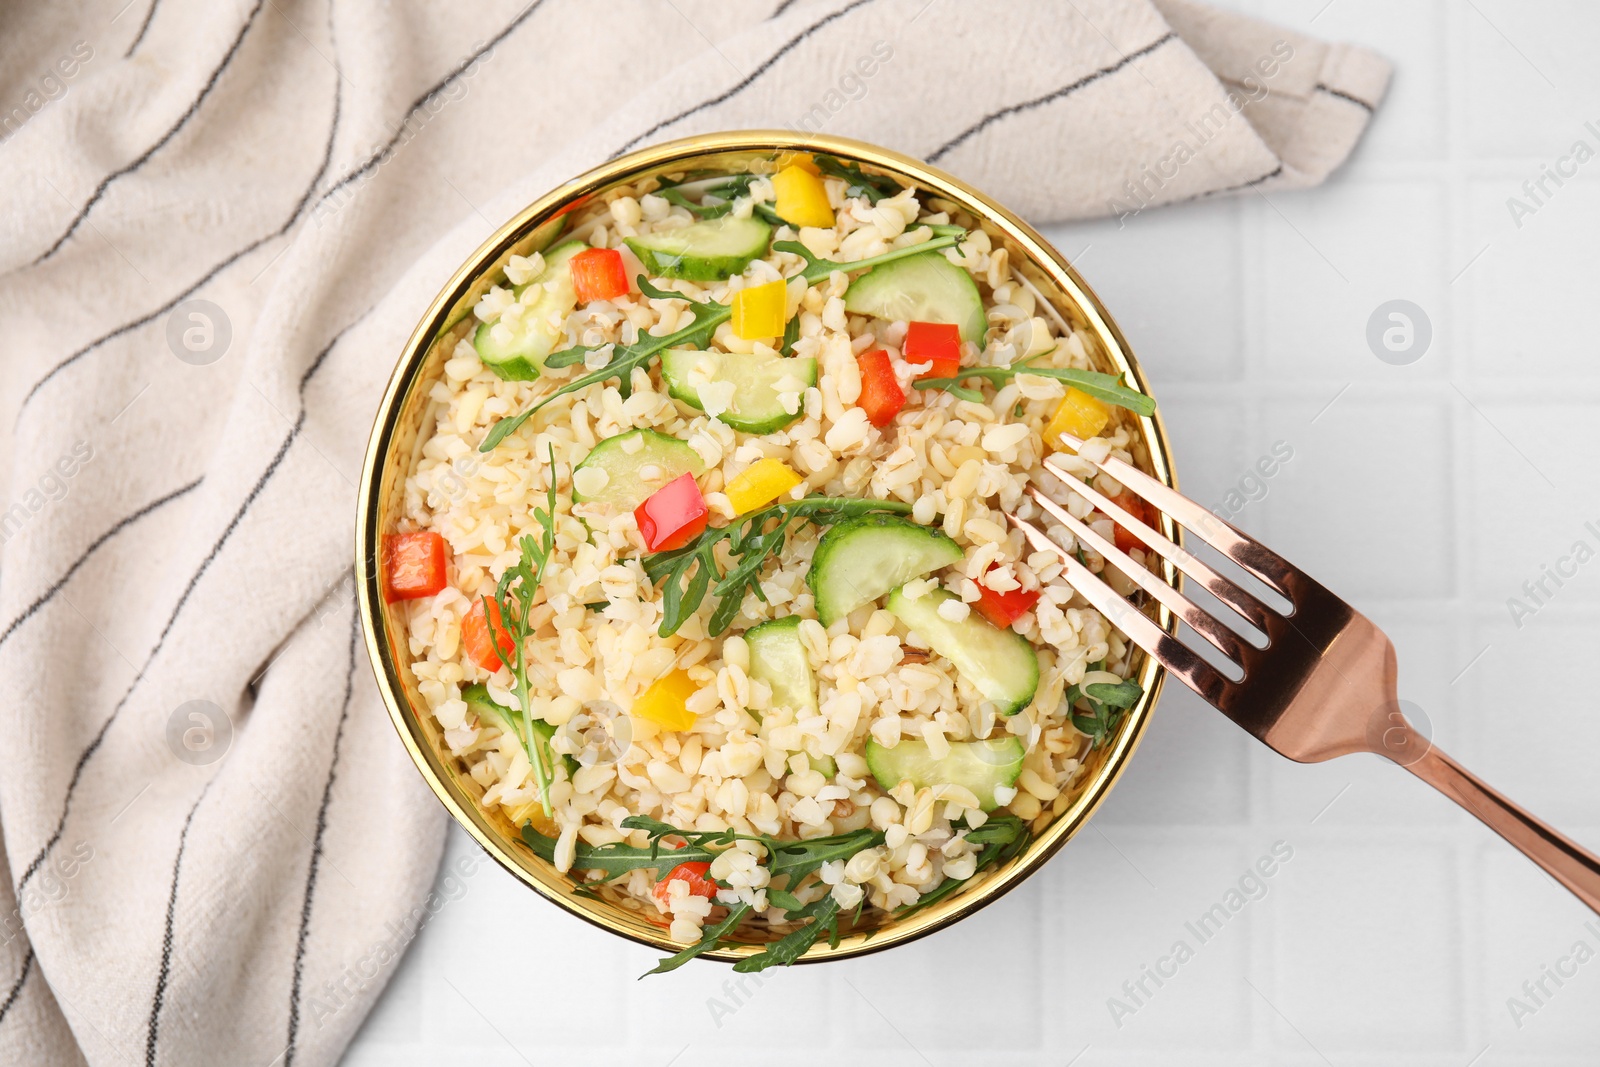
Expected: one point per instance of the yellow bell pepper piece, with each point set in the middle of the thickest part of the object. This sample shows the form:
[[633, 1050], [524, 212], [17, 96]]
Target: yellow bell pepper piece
[[802, 198], [758, 312], [803, 160], [665, 703], [1080, 415], [761, 483]]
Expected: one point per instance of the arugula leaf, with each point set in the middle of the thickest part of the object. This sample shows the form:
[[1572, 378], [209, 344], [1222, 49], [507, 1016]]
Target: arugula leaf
[[874, 187], [823, 915], [1125, 694], [616, 858], [782, 898], [816, 268], [791, 334], [703, 211], [513, 603], [1101, 386], [1107, 703], [709, 936], [687, 571], [793, 858], [800, 858], [568, 356], [1001, 838]]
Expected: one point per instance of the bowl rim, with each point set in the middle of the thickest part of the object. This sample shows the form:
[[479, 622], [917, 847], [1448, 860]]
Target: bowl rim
[[386, 425]]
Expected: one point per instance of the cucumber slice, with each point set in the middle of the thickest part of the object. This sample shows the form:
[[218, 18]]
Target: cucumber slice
[[555, 260], [859, 560], [705, 251], [1000, 664], [825, 764], [778, 658], [520, 357], [756, 408], [922, 288], [981, 766], [491, 713], [633, 472]]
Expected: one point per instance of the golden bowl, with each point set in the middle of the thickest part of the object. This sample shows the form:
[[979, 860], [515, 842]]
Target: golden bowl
[[392, 453]]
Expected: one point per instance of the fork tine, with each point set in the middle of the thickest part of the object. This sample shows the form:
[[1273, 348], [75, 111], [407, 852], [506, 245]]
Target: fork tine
[[1221, 535], [1171, 653], [1224, 589], [1226, 641]]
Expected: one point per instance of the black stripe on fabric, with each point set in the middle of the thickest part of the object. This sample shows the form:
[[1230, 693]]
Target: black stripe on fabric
[[745, 82], [383, 154], [1273, 173], [1252, 183], [194, 580], [316, 846], [1051, 97], [144, 157], [143, 26], [780, 9], [122, 524], [16, 987], [1356, 100], [165, 971], [299, 210]]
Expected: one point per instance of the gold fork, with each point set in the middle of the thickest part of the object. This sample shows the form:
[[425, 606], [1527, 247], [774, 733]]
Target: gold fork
[[1323, 683]]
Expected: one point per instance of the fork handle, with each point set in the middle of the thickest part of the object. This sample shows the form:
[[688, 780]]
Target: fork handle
[[1563, 859]]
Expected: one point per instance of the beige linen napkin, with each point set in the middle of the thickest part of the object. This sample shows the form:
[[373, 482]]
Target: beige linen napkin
[[220, 221]]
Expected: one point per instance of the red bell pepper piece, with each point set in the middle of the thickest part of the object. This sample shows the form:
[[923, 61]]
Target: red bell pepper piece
[[1140, 509], [933, 342], [673, 515], [486, 653], [1003, 609], [691, 874], [598, 274], [413, 565], [881, 396]]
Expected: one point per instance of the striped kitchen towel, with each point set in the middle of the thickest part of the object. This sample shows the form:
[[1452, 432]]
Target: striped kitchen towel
[[220, 222]]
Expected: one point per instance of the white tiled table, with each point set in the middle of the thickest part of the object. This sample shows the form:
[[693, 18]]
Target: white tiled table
[[1426, 493]]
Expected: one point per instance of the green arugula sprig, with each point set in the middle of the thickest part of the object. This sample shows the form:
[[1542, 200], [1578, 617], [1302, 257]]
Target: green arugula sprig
[[1107, 703], [791, 860], [998, 840], [513, 603], [874, 187], [795, 859], [817, 268], [751, 540], [701, 210], [1101, 386], [705, 317], [726, 195]]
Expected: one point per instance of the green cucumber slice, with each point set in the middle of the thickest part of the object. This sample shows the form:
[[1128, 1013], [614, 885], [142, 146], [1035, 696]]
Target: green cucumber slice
[[824, 764], [1000, 664], [756, 408], [491, 713], [922, 288], [520, 357], [778, 658], [705, 251], [981, 766], [859, 560], [633, 472]]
